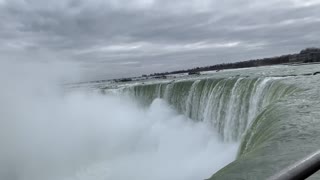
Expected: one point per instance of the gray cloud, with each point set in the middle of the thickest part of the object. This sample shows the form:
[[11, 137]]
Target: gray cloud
[[119, 38]]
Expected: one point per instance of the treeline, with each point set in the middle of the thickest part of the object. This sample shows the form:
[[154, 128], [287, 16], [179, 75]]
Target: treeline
[[244, 64]]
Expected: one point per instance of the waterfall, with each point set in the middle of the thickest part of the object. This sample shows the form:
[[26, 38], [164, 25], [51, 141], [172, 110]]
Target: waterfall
[[229, 105], [274, 119]]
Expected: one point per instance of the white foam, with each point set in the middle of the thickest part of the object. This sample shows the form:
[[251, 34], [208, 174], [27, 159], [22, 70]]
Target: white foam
[[47, 134]]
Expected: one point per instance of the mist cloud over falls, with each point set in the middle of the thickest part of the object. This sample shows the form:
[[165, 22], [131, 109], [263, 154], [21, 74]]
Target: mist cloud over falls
[[47, 133]]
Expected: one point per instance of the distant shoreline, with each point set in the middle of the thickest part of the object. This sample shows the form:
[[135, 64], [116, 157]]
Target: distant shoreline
[[306, 56]]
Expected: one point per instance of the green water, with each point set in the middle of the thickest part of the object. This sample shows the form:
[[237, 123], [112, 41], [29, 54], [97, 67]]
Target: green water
[[273, 111], [284, 132], [228, 104]]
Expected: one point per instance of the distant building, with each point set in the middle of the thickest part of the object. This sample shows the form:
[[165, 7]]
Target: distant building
[[306, 55]]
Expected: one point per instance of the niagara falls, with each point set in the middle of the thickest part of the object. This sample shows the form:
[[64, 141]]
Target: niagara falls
[[159, 90]]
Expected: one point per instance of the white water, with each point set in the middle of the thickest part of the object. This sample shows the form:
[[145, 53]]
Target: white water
[[47, 134]]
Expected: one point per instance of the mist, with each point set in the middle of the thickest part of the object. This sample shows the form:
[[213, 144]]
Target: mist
[[48, 132]]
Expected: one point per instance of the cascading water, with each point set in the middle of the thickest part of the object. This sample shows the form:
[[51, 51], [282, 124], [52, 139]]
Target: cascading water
[[282, 134], [49, 132], [271, 117], [228, 104], [185, 129]]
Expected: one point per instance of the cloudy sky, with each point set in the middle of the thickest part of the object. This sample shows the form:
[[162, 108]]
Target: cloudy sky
[[118, 38]]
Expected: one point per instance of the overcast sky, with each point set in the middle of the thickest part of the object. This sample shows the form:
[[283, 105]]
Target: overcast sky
[[118, 38]]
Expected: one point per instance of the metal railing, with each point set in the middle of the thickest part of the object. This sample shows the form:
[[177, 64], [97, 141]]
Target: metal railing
[[301, 169]]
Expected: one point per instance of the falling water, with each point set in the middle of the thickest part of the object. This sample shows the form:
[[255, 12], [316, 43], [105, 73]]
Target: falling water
[[49, 132], [228, 104]]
